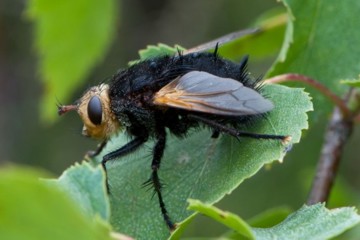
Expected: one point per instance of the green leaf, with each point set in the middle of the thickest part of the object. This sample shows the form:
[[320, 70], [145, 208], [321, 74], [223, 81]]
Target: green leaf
[[86, 186], [230, 220], [159, 50], [70, 37], [311, 222], [152, 51], [33, 210], [198, 167], [351, 83], [321, 42]]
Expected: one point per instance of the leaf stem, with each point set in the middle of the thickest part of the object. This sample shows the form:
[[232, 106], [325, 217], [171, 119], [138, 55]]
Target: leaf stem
[[293, 77]]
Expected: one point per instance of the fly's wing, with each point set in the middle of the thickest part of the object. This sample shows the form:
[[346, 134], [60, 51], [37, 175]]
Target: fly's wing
[[204, 92]]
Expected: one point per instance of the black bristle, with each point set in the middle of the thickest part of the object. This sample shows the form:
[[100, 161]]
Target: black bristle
[[179, 52], [243, 63], [216, 50]]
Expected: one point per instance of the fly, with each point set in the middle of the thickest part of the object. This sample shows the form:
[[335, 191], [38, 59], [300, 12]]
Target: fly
[[177, 93]]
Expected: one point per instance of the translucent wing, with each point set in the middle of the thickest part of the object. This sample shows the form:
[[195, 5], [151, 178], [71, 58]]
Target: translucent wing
[[204, 92]]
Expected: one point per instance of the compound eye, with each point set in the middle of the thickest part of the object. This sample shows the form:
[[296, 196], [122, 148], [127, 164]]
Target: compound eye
[[94, 110]]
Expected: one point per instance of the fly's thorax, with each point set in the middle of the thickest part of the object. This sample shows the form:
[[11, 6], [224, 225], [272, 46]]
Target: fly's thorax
[[94, 109]]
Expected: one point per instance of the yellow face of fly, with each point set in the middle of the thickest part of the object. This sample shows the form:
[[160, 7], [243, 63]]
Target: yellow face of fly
[[94, 109]]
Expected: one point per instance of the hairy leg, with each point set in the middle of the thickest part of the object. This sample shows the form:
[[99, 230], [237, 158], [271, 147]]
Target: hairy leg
[[154, 180], [236, 133], [127, 148]]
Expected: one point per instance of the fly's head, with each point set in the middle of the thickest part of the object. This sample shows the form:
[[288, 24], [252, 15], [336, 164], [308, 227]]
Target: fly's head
[[94, 109]]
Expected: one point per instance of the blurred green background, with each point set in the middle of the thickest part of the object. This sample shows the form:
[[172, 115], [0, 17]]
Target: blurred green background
[[25, 139]]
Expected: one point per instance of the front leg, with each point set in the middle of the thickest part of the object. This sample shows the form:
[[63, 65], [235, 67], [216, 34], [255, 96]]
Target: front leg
[[98, 150], [127, 148]]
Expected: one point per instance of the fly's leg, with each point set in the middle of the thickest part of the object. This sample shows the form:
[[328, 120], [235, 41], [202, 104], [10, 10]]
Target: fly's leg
[[100, 147], [236, 133], [215, 134], [127, 148], [154, 180]]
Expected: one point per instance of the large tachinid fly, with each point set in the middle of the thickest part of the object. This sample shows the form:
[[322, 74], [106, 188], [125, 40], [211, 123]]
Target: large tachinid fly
[[177, 93]]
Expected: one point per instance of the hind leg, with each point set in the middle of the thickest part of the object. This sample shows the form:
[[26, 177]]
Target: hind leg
[[236, 133]]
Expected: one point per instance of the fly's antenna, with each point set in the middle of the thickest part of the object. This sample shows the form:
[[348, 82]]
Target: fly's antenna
[[64, 108]]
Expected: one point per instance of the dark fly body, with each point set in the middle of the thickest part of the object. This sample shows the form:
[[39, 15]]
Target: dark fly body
[[177, 93]]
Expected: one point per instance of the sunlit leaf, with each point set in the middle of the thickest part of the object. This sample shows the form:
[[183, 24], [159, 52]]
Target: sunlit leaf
[[70, 38]]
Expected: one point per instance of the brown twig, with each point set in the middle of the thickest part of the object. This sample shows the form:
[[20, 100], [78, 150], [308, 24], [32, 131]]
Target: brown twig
[[338, 132], [357, 119], [221, 40], [270, 23], [293, 77]]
